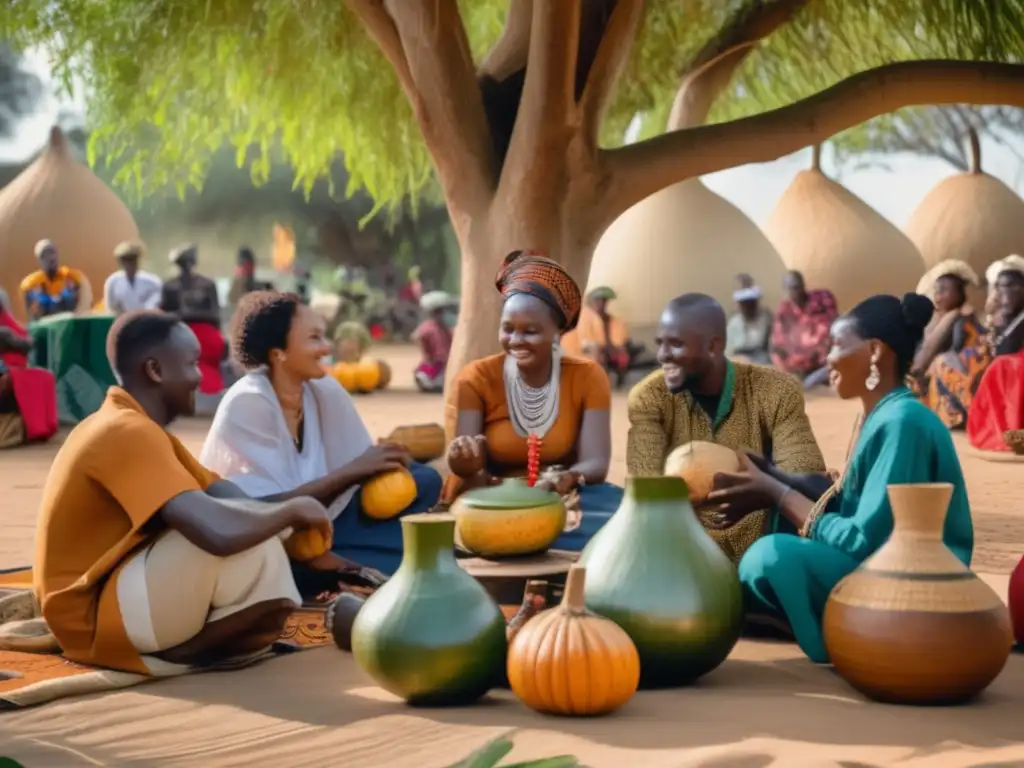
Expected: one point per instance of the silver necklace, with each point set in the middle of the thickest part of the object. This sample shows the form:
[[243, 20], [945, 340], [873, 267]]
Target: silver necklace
[[532, 410]]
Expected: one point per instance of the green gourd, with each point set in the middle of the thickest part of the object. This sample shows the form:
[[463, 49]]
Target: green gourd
[[431, 635], [655, 572]]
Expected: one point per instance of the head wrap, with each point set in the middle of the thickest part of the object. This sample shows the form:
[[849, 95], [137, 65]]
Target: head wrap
[[129, 248], [432, 301], [1012, 263], [43, 246], [602, 292], [750, 293], [182, 251], [899, 324], [951, 268], [536, 275]]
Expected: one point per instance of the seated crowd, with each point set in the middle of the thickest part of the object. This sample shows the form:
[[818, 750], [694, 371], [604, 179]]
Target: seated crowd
[[147, 556]]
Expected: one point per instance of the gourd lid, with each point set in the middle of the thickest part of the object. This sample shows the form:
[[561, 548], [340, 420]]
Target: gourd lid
[[511, 494]]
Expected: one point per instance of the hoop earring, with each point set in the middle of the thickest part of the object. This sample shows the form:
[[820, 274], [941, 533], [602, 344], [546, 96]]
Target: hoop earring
[[874, 377]]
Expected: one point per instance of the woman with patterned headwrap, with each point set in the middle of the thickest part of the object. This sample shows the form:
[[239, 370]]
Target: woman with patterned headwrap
[[532, 388], [955, 352]]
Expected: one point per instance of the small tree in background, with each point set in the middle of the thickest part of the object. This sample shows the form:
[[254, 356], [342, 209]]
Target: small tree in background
[[517, 104]]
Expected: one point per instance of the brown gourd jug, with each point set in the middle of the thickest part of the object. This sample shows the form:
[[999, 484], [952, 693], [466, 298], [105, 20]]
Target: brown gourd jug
[[913, 624]]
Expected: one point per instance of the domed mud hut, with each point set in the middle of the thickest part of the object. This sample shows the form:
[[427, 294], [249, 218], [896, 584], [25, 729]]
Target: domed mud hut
[[839, 242], [973, 217], [59, 199], [684, 238]]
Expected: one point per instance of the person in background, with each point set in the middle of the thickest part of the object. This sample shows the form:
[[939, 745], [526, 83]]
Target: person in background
[[28, 396], [144, 558], [749, 331], [601, 336], [193, 298], [788, 575], [53, 288], [955, 351], [130, 288], [800, 333], [998, 405], [245, 280], [434, 335], [699, 394]]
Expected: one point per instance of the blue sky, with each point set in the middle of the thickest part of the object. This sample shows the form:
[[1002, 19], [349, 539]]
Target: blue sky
[[893, 192]]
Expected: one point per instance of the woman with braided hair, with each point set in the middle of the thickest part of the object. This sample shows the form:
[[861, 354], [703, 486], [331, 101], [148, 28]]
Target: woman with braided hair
[[495, 404], [787, 576]]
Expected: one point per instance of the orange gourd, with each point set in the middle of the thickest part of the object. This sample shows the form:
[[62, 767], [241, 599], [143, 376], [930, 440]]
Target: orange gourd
[[568, 661], [367, 375], [387, 494], [385, 375], [345, 374], [306, 545]]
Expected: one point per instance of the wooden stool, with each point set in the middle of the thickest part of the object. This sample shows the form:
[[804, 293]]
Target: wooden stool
[[505, 580]]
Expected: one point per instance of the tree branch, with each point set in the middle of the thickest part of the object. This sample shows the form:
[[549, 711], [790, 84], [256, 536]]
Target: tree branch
[[711, 70], [509, 54], [642, 169], [426, 43], [611, 59]]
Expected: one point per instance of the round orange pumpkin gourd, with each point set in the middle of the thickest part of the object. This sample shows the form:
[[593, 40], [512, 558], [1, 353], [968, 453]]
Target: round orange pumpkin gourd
[[698, 462], [345, 374], [387, 494], [367, 375], [306, 545], [385, 375], [568, 661]]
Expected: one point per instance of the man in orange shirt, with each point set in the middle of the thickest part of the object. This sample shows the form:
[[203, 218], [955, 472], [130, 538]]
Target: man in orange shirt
[[603, 337], [142, 555]]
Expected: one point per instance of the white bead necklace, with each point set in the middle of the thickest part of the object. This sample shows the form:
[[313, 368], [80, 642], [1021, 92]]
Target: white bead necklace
[[532, 410]]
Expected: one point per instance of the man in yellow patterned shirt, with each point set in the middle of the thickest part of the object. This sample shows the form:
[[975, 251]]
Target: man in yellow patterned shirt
[[52, 288], [700, 395]]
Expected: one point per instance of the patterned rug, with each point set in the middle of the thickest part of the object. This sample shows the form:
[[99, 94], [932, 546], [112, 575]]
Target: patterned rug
[[40, 674]]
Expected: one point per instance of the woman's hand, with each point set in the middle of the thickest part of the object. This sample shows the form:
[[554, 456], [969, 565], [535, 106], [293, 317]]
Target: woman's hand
[[379, 458], [560, 482], [739, 494], [467, 456]]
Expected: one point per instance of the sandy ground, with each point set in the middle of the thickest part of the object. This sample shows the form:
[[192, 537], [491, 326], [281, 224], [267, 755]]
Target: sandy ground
[[766, 706], [995, 489]]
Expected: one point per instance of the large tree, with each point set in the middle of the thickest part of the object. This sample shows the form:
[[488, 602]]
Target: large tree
[[516, 104]]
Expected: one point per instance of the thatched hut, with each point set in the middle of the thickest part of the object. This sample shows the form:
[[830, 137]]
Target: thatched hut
[[972, 217], [684, 238], [58, 198], [839, 242]]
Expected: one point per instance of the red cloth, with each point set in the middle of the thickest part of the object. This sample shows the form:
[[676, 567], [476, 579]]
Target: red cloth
[[435, 342], [998, 404], [800, 335], [211, 354], [35, 389], [1016, 601]]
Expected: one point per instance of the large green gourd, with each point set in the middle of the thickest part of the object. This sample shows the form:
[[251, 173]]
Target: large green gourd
[[431, 635], [655, 572]]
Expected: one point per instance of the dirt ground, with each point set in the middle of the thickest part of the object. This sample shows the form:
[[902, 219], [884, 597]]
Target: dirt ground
[[996, 490]]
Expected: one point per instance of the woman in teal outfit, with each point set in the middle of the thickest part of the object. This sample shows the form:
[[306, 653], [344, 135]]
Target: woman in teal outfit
[[787, 576]]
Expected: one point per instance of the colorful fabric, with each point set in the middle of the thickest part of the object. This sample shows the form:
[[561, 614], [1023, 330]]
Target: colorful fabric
[[534, 274], [112, 475], [800, 335], [429, 377], [435, 342], [74, 350], [34, 389], [953, 377], [762, 410], [998, 404], [44, 295], [212, 349], [788, 577]]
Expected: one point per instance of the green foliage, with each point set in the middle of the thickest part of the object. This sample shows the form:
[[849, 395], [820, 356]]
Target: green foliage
[[492, 753], [170, 81]]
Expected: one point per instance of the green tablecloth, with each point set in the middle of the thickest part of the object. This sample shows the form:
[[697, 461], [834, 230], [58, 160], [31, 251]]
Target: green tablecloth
[[74, 349]]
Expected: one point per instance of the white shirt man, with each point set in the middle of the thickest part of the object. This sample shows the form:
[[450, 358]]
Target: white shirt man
[[130, 288]]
